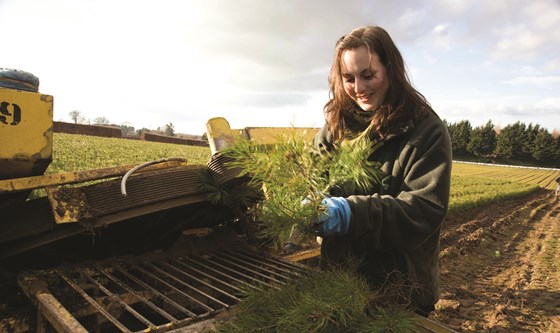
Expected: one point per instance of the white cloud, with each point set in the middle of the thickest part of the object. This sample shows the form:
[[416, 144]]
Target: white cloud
[[552, 65], [520, 44], [536, 81], [549, 103], [535, 34], [441, 36]]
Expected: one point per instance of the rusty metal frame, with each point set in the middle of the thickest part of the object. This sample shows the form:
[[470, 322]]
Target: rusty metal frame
[[152, 292]]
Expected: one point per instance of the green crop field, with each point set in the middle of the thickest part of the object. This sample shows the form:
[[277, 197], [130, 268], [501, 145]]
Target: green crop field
[[72, 152], [471, 184], [474, 184]]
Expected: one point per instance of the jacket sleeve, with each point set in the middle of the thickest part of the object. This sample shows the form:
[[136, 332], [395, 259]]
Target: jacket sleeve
[[323, 140], [421, 198]]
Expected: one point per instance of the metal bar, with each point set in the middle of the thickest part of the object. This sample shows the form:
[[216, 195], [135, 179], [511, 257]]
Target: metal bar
[[247, 269], [259, 267], [211, 277], [85, 310], [146, 301], [153, 276], [247, 263], [303, 255], [225, 275], [223, 292], [57, 315], [238, 273], [152, 291], [193, 288], [291, 266], [91, 301], [116, 298], [275, 264], [162, 296]]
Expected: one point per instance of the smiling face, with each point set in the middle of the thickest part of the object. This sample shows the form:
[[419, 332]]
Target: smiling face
[[364, 78]]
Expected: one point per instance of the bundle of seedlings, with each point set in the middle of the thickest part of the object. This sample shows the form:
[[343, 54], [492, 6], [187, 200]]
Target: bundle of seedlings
[[292, 179], [290, 172], [334, 301]]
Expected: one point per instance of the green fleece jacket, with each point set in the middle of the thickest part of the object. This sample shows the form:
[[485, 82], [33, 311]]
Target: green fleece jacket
[[396, 229]]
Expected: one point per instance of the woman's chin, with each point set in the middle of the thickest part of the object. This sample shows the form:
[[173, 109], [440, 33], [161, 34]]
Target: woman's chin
[[367, 107]]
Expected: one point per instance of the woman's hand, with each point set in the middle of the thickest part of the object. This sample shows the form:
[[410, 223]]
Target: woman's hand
[[335, 220]]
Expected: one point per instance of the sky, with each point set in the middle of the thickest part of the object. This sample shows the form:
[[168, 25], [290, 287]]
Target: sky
[[265, 63]]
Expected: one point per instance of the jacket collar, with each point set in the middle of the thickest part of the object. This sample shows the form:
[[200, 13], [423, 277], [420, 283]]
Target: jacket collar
[[362, 124]]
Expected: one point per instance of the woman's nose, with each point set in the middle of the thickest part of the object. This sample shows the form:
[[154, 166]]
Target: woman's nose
[[359, 86]]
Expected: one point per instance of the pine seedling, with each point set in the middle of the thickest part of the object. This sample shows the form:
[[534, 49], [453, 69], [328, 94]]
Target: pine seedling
[[334, 301], [389, 318], [290, 171]]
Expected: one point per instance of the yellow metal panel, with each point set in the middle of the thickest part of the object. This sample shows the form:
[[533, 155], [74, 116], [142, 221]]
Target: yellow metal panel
[[268, 135], [220, 135], [25, 133]]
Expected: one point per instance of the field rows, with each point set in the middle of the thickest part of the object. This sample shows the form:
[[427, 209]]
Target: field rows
[[531, 176]]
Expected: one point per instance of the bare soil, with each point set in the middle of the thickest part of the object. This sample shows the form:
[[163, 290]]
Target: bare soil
[[500, 267]]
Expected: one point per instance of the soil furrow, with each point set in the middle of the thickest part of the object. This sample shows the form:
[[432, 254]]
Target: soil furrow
[[499, 267]]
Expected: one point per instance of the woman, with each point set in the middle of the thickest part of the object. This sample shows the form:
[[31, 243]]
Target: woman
[[396, 228]]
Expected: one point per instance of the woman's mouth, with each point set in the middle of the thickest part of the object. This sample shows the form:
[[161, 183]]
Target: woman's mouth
[[364, 98]]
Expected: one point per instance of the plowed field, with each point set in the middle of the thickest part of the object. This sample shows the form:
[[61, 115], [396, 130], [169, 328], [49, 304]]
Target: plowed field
[[501, 267]]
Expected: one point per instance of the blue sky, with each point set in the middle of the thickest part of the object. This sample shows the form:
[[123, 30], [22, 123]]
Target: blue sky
[[265, 63]]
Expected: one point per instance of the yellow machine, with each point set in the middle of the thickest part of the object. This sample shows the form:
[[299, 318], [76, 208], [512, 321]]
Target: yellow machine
[[25, 129], [26, 118], [109, 233]]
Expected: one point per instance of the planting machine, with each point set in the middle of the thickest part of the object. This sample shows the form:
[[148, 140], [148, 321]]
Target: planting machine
[[127, 248]]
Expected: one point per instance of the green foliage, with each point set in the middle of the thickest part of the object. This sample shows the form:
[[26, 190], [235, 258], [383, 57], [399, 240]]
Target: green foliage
[[517, 144], [543, 146], [482, 140], [289, 172], [73, 152], [392, 319], [496, 182], [472, 191], [460, 136], [510, 142], [333, 301]]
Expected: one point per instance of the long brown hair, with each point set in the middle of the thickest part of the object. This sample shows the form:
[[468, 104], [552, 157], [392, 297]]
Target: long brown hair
[[402, 102]]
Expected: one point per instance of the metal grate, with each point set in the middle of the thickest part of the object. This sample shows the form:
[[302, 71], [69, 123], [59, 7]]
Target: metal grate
[[156, 293]]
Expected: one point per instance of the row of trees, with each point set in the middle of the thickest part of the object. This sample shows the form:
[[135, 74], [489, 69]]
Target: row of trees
[[127, 130], [514, 144]]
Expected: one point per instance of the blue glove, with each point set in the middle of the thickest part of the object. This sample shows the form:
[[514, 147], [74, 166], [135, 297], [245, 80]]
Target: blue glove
[[336, 218]]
